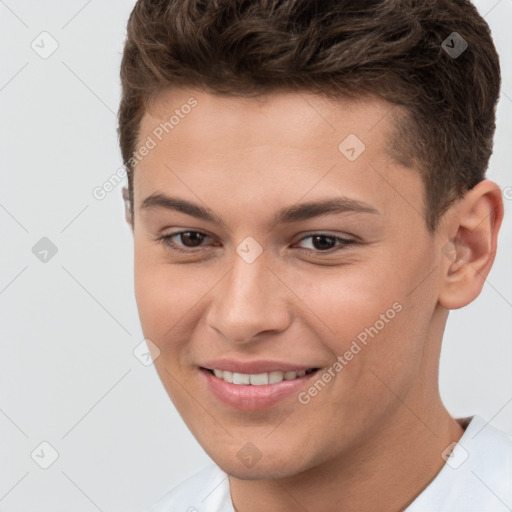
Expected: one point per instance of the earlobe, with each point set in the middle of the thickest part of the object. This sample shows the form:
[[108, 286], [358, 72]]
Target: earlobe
[[469, 252], [127, 208]]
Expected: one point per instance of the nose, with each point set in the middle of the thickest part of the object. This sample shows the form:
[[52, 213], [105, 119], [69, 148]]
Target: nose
[[248, 302]]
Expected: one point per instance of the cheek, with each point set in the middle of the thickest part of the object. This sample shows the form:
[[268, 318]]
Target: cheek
[[163, 297], [376, 345], [368, 318], [346, 301], [169, 298]]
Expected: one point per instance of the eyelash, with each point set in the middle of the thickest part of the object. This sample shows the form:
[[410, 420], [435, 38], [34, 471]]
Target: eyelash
[[166, 240]]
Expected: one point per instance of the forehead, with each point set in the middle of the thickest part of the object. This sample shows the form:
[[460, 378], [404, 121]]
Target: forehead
[[289, 144], [288, 118]]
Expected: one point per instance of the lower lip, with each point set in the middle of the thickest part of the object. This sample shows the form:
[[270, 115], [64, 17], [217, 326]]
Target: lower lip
[[250, 397]]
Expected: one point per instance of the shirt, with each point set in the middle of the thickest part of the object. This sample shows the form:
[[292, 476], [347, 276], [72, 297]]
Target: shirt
[[476, 477]]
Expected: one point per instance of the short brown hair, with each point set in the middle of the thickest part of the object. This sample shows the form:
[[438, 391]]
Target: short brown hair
[[388, 48]]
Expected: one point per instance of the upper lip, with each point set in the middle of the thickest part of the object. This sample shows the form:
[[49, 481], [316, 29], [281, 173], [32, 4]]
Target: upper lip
[[255, 367]]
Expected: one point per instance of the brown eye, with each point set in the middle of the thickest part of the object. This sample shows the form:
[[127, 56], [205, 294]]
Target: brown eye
[[321, 243], [191, 238], [184, 241]]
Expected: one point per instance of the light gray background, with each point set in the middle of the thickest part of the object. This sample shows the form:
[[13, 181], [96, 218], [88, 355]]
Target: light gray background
[[69, 326]]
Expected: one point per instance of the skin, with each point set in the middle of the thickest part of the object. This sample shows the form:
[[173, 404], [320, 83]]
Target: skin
[[380, 424]]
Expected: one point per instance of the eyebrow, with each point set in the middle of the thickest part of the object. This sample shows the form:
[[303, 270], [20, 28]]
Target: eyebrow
[[294, 213]]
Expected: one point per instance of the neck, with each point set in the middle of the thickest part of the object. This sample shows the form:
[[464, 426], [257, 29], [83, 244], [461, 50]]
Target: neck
[[385, 473]]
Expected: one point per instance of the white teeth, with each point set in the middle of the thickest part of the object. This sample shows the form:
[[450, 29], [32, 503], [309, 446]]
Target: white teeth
[[257, 379], [275, 377], [241, 378]]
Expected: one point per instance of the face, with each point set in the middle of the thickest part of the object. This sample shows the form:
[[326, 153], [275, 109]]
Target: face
[[273, 247]]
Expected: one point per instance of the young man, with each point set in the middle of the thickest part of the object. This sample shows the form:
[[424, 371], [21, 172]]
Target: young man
[[308, 202]]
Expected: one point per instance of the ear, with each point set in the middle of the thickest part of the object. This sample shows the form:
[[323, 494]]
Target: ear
[[470, 245], [127, 209]]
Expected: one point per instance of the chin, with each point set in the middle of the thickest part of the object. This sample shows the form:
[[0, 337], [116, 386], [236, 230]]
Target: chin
[[264, 464]]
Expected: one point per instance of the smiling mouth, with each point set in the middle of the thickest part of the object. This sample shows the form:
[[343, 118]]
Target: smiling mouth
[[259, 379]]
